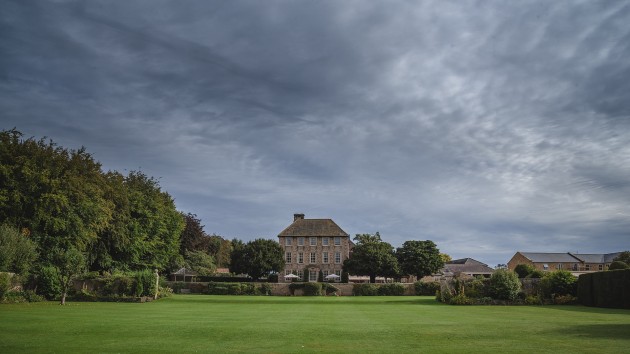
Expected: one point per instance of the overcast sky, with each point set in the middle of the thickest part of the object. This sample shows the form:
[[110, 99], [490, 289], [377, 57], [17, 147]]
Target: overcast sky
[[489, 127]]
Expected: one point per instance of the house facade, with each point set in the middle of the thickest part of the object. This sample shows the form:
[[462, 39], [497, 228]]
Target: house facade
[[573, 262], [311, 245]]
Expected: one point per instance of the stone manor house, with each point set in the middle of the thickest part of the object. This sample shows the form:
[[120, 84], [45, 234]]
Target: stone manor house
[[311, 245]]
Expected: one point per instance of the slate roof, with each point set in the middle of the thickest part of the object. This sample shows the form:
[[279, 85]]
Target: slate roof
[[568, 257], [313, 227], [466, 265]]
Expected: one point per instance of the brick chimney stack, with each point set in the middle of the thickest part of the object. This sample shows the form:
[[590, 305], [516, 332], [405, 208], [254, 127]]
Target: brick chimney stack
[[297, 217]]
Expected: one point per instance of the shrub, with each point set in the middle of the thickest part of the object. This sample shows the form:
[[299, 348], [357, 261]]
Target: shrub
[[533, 300], [364, 290], [504, 285], [48, 282], [312, 289], [329, 288], [564, 300], [295, 286], [616, 265], [476, 288], [537, 274], [523, 270], [394, 289], [559, 282], [426, 288], [224, 288], [144, 283], [265, 289], [344, 277], [273, 278], [5, 284], [460, 299]]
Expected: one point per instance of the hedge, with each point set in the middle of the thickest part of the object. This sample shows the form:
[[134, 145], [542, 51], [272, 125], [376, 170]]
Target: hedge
[[605, 289]]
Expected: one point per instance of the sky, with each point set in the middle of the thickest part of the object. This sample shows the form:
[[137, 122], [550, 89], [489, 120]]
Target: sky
[[489, 127]]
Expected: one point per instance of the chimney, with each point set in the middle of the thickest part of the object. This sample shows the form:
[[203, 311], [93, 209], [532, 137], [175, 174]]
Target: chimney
[[297, 217]]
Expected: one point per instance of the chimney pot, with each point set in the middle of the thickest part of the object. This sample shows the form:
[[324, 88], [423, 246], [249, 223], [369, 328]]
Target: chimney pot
[[296, 217]]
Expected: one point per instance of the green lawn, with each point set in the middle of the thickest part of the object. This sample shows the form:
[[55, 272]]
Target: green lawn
[[196, 323]]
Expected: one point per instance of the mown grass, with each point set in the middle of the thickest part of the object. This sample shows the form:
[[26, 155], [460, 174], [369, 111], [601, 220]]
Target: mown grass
[[223, 324]]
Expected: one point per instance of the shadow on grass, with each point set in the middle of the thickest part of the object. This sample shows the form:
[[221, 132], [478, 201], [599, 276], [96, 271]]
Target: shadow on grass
[[606, 331], [587, 309]]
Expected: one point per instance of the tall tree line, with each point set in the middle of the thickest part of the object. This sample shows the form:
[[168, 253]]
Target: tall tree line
[[61, 200]]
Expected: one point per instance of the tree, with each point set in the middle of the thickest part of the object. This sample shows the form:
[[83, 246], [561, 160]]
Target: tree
[[263, 257], [193, 238], [372, 257], [504, 284], [68, 263], [17, 250], [200, 262], [618, 265], [238, 258], [623, 257], [445, 258], [559, 282], [419, 258]]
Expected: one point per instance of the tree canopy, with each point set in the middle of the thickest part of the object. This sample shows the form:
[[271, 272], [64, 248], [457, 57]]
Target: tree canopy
[[372, 257], [419, 258], [256, 258]]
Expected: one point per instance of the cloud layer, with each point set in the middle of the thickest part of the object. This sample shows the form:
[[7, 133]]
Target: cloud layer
[[488, 127]]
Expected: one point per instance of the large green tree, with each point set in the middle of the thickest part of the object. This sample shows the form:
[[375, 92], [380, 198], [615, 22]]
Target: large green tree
[[256, 258], [68, 263], [419, 258], [623, 257], [372, 257]]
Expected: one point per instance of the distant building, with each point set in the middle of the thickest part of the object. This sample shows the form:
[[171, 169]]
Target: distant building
[[311, 245], [573, 262], [466, 267]]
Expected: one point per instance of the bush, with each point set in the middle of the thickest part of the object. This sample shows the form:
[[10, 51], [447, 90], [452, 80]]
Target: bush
[[5, 284], [224, 288], [564, 300], [616, 265], [295, 286], [537, 274], [426, 288], [312, 289], [460, 299], [329, 289], [364, 290], [559, 282], [523, 270], [265, 289], [504, 285], [394, 289], [344, 277], [476, 288], [144, 283], [48, 283]]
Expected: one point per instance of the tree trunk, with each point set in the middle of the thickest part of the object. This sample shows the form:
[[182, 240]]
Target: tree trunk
[[63, 298]]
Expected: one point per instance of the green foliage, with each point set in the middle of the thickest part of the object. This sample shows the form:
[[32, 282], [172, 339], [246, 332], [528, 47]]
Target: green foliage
[[364, 290], [523, 270], [48, 282], [460, 299], [426, 288], [393, 289], [256, 258], [328, 288], [372, 257], [419, 258], [605, 289], [5, 284], [200, 262], [477, 287], [616, 265], [344, 277], [559, 282], [623, 257], [144, 283], [504, 285], [537, 274], [312, 289], [238, 289], [17, 251]]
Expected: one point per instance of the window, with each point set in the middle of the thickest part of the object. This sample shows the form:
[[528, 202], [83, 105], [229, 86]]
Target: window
[[338, 272], [313, 241], [559, 266], [287, 241], [300, 241], [575, 266], [601, 267], [326, 272], [325, 241], [312, 258], [337, 241], [325, 257], [588, 267], [300, 257], [288, 257], [337, 257], [546, 266], [300, 274], [313, 275]]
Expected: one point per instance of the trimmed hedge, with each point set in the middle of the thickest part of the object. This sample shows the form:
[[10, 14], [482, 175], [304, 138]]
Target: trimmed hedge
[[217, 288], [426, 288], [605, 289]]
